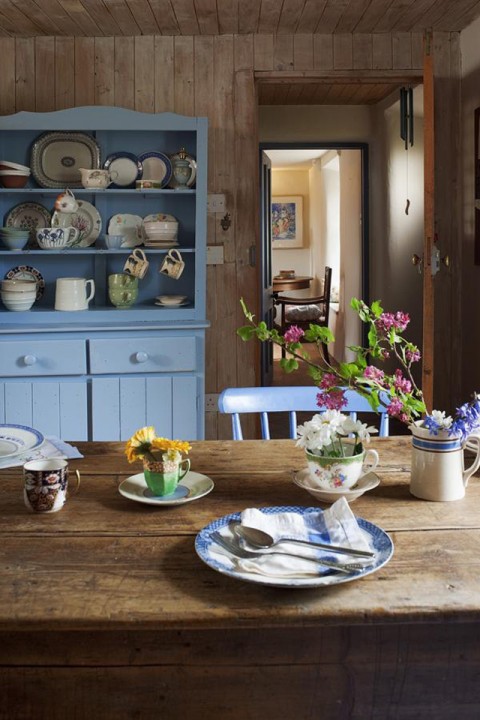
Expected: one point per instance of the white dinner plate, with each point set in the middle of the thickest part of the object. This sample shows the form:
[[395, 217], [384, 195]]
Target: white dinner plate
[[156, 166], [366, 483], [223, 562], [130, 226], [192, 487], [125, 168], [18, 439], [88, 222]]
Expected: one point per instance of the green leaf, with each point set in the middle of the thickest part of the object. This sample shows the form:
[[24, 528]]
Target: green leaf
[[288, 365], [376, 308], [317, 333], [246, 332]]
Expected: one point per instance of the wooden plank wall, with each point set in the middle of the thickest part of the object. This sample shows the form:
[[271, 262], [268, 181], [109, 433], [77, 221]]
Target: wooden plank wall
[[211, 76]]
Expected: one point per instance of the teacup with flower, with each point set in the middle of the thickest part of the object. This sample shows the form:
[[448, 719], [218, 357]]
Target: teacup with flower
[[333, 444], [163, 466]]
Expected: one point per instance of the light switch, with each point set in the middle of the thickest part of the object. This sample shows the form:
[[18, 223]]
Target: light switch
[[216, 203]]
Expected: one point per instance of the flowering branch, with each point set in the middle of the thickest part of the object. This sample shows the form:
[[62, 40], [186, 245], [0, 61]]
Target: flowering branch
[[398, 391]]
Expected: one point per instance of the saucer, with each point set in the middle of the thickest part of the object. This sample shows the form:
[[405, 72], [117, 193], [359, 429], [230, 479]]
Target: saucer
[[172, 305], [192, 487], [366, 483], [171, 299]]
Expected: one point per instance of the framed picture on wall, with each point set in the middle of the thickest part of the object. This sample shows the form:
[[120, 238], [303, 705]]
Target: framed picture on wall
[[287, 221]]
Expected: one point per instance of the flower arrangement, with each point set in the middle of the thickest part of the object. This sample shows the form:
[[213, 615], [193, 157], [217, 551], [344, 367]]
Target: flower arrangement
[[325, 433], [144, 443], [397, 390]]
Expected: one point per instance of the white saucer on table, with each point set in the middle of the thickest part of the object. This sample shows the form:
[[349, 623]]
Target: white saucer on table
[[366, 483], [192, 487]]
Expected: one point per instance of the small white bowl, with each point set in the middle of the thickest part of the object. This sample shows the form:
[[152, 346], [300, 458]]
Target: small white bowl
[[171, 299], [17, 305], [366, 483], [6, 164], [155, 225], [19, 285], [14, 172]]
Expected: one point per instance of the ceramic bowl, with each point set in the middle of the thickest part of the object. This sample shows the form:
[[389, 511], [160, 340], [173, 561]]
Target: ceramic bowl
[[50, 243], [17, 305], [14, 242], [114, 241], [172, 299], [160, 225], [19, 285], [11, 179], [366, 483], [7, 165]]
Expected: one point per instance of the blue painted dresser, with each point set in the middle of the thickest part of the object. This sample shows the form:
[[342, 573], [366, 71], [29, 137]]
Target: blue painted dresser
[[102, 373]]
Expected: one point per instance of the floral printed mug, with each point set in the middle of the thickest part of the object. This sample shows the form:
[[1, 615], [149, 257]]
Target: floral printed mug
[[45, 484]]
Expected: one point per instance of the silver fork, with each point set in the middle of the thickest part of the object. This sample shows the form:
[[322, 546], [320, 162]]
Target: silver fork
[[240, 552]]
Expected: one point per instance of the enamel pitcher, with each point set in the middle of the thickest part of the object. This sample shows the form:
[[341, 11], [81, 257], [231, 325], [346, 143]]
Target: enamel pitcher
[[438, 464]]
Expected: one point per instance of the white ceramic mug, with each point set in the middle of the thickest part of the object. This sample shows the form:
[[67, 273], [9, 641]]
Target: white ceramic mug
[[136, 264], [71, 293], [173, 265]]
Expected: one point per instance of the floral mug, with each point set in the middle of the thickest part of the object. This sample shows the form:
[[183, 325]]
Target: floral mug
[[45, 484]]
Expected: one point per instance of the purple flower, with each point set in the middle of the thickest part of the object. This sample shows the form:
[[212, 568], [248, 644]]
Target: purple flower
[[328, 381], [373, 373], [413, 355], [401, 383], [395, 408], [401, 320], [293, 334], [332, 400]]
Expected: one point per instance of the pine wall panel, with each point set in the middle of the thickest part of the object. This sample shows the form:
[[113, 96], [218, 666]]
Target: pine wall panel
[[212, 76]]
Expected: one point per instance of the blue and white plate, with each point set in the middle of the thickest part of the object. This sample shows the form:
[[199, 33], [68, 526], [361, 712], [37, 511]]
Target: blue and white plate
[[125, 169], [18, 439], [156, 166], [191, 487], [380, 542]]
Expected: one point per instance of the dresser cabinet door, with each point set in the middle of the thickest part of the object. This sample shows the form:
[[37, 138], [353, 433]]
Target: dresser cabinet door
[[53, 406], [122, 405]]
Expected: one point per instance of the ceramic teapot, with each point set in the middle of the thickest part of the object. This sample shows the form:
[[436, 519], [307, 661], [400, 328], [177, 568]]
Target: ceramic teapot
[[99, 179]]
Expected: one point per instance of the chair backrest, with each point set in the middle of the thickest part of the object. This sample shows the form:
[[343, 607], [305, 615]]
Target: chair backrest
[[264, 400]]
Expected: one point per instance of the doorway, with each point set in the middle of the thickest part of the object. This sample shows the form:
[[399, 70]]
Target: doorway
[[327, 185]]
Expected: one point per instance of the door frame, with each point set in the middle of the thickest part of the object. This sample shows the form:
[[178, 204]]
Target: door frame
[[365, 190]]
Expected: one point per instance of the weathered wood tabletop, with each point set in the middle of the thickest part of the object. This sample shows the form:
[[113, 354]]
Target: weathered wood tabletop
[[111, 585]]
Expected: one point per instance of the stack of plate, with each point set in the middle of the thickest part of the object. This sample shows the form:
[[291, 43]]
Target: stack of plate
[[17, 442]]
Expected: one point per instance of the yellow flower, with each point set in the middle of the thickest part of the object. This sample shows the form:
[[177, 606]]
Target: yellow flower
[[144, 442]]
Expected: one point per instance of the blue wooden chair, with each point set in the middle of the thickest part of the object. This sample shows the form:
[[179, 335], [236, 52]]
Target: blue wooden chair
[[265, 400]]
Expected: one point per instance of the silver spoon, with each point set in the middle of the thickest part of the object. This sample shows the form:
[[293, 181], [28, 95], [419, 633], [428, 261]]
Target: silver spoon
[[261, 539]]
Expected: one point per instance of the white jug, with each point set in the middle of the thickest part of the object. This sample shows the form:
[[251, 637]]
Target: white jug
[[438, 466]]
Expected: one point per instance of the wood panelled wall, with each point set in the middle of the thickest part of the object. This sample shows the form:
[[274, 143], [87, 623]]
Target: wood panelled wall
[[213, 76]]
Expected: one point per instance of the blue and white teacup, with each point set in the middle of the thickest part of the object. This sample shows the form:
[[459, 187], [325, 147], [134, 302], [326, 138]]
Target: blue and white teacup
[[55, 238]]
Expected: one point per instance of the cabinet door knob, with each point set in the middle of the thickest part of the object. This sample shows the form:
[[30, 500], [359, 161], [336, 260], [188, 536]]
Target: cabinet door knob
[[29, 359], [141, 357]]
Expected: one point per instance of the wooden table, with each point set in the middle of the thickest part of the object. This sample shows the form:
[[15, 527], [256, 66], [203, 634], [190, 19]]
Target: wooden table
[[107, 612], [300, 282]]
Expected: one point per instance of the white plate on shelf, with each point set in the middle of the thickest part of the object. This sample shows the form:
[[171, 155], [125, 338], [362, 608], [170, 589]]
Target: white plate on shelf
[[18, 439], [156, 166], [192, 487], [88, 222], [130, 226], [27, 272], [366, 483], [29, 216], [223, 562], [125, 167], [170, 305]]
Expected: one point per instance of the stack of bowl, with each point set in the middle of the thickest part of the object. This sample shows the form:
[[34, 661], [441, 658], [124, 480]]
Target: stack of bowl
[[14, 238], [13, 175], [18, 295], [160, 233]]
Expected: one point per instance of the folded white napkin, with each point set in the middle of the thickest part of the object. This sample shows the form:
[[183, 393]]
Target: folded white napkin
[[52, 447], [337, 525]]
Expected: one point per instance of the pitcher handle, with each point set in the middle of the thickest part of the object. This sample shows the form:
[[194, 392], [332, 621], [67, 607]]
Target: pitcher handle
[[468, 472], [92, 290]]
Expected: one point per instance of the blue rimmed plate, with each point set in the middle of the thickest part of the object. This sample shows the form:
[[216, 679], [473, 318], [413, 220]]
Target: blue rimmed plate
[[17, 440], [156, 166], [221, 561], [125, 168], [192, 487]]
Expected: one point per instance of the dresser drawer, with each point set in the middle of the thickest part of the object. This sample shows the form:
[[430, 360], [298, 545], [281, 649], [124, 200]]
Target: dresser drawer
[[35, 359], [142, 355]]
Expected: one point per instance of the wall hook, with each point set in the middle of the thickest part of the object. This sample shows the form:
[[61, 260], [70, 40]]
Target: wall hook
[[225, 222]]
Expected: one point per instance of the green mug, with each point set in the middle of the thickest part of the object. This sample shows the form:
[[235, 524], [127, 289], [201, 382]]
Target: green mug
[[162, 477]]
